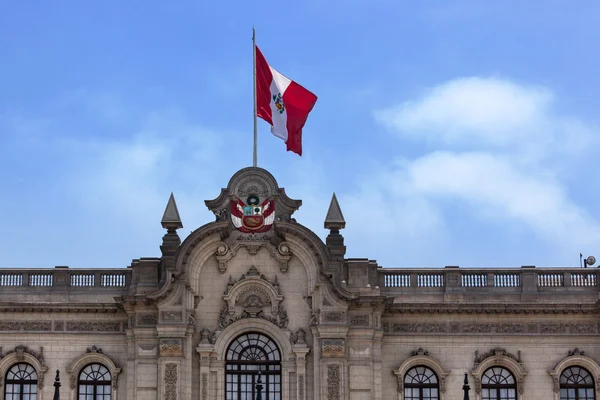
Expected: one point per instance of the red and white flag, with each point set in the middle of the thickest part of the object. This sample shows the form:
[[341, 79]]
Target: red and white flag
[[283, 103]]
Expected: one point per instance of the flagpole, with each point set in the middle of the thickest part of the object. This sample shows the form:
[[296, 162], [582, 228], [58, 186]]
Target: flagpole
[[255, 157]]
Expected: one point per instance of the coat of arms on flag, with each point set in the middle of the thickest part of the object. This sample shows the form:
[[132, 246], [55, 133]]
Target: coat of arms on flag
[[252, 216]]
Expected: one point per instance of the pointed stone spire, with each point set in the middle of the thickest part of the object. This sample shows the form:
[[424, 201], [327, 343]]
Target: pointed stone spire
[[171, 219], [334, 219], [170, 241]]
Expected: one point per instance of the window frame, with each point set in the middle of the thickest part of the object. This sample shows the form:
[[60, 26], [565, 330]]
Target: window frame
[[21, 382], [268, 368], [577, 386], [421, 385], [499, 386], [93, 383]]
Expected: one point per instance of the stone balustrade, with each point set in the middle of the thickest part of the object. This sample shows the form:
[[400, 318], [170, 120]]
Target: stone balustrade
[[64, 277], [510, 280]]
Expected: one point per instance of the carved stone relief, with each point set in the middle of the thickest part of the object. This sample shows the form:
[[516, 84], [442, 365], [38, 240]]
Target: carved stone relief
[[26, 326], [420, 327], [359, 320], [94, 326], [59, 325], [172, 316], [333, 347], [333, 382], [298, 337], [207, 337], [334, 317], [281, 319], [584, 328], [170, 381], [253, 243], [147, 319], [171, 347]]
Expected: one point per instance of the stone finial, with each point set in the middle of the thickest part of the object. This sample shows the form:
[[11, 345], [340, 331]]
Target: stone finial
[[334, 219], [171, 219]]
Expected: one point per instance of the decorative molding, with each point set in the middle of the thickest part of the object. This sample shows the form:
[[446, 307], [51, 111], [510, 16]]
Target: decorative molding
[[93, 355], [472, 328], [147, 319], [170, 381], [575, 352], [575, 358], [359, 320], [23, 353], [171, 347], [253, 296], [253, 243], [333, 347], [419, 352], [497, 352], [281, 320], [334, 382], [94, 326], [490, 308], [337, 317], [419, 327], [499, 357], [38, 326], [59, 326], [421, 357]]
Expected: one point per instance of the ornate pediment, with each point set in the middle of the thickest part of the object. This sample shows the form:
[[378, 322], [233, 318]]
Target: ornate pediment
[[253, 296]]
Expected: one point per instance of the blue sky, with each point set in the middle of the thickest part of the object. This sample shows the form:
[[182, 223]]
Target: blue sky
[[454, 133]]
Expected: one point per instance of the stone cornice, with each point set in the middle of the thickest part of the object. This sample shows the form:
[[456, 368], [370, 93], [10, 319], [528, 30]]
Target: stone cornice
[[99, 308], [448, 308]]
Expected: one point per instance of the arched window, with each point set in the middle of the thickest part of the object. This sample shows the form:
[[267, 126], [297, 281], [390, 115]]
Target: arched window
[[94, 383], [421, 383], [576, 383], [21, 383], [498, 383], [246, 356]]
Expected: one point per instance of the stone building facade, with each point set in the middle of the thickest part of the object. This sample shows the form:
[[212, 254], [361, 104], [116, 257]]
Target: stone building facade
[[255, 290]]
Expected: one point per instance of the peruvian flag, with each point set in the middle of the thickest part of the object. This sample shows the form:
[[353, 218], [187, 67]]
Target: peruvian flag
[[283, 103]]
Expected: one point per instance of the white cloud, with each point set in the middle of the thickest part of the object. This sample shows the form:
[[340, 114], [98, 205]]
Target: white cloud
[[501, 150], [467, 110]]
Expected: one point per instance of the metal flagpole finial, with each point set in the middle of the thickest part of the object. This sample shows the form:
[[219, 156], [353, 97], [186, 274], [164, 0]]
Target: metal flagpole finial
[[56, 386], [466, 388]]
